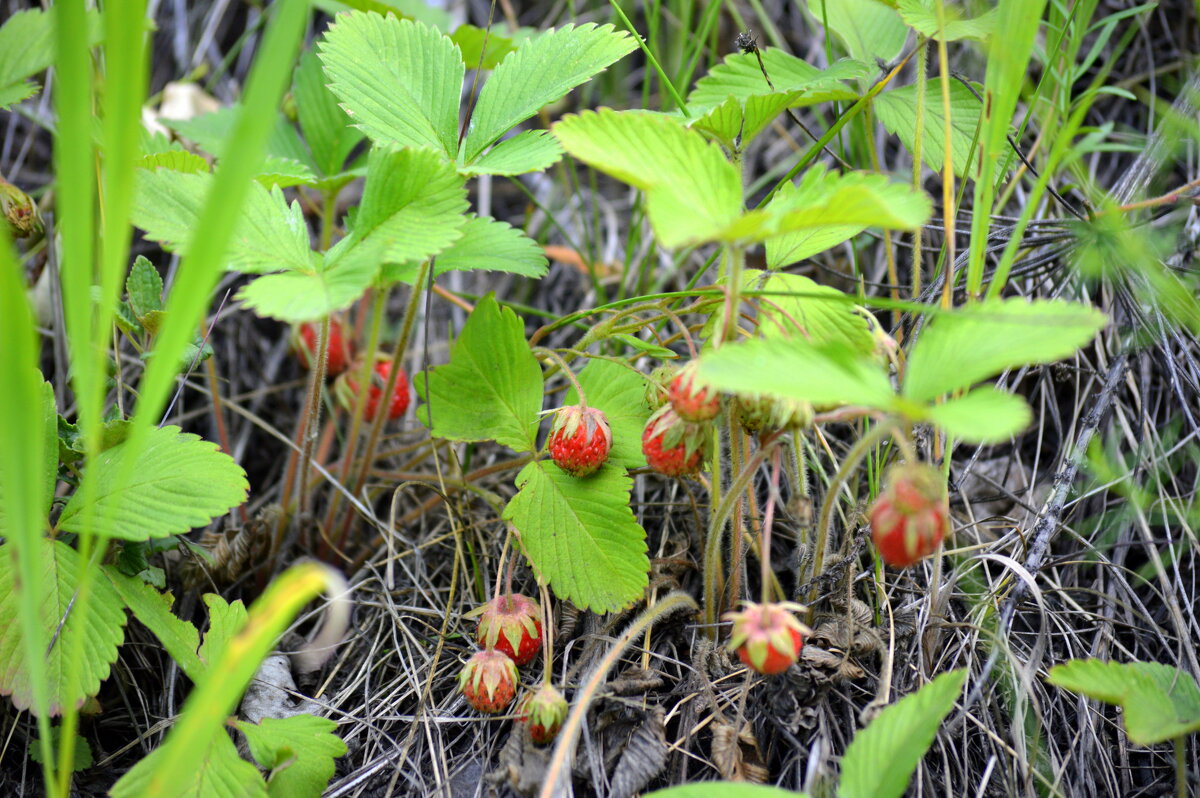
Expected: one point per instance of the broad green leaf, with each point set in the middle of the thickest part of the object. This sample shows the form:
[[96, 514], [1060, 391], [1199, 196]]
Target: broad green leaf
[[27, 47], [540, 71], [737, 121], [740, 76], [225, 620], [869, 29], [178, 481], [10, 95], [897, 110], [797, 369], [153, 609], [297, 752], [692, 191], [985, 415], [921, 16], [620, 393], [881, 758], [1161, 702], [486, 245], [219, 773], [83, 749], [724, 789], [144, 286], [325, 125], [104, 632], [471, 41], [528, 151], [310, 294], [824, 199], [581, 536], [398, 80], [492, 387], [801, 308], [412, 207], [958, 349], [269, 235]]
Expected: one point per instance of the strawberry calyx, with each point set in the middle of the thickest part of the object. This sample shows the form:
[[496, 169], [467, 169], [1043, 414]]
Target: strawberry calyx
[[543, 712], [693, 399], [489, 681], [767, 637], [671, 445], [512, 625]]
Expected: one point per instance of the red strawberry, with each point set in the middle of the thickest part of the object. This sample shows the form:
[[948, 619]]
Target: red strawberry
[[543, 712], [304, 344], [347, 390], [691, 398], [910, 518], [580, 440], [656, 386], [759, 412], [512, 625], [672, 446], [489, 681], [767, 637]]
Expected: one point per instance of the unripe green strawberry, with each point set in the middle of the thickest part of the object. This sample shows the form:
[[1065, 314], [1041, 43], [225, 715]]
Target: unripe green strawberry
[[20, 212], [910, 518], [346, 390], [489, 681], [656, 386], [511, 624], [672, 446], [580, 440], [767, 637], [692, 399], [544, 712], [304, 344], [760, 412]]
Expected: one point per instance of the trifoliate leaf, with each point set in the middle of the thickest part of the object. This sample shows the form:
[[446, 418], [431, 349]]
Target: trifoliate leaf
[[870, 29], [326, 126], [313, 293], [921, 16], [492, 387], [486, 245], [176, 482], [528, 151], [103, 633], [153, 609], [581, 536]]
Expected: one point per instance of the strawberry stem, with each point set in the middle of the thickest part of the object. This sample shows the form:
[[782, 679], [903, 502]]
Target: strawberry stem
[[550, 354], [764, 556], [683, 328]]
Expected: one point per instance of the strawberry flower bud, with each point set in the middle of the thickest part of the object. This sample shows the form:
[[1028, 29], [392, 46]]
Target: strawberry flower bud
[[759, 412], [580, 440], [767, 637], [489, 681], [512, 625], [910, 517], [20, 211], [656, 386]]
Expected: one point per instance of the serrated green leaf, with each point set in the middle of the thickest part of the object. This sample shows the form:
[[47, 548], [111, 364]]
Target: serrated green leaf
[[881, 758], [174, 160], [486, 245], [692, 191], [823, 200], [799, 307], [921, 16], [178, 482], [325, 125], [985, 415], [417, 10], [492, 387], [220, 773], [581, 536], [399, 80], [724, 789], [225, 620], [144, 286], [620, 393], [284, 173], [153, 609], [105, 630], [27, 47], [957, 350], [23, 90], [270, 235], [310, 294], [471, 41], [1160, 702], [740, 76], [82, 748], [897, 110], [869, 29], [287, 162], [737, 121], [528, 151], [297, 751], [796, 369], [540, 71], [412, 208]]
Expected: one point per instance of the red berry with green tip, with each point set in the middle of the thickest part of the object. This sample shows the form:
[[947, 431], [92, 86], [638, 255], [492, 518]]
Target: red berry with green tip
[[346, 389], [766, 637], [910, 518], [543, 712], [672, 446], [304, 343], [692, 399], [512, 625], [489, 681], [580, 440]]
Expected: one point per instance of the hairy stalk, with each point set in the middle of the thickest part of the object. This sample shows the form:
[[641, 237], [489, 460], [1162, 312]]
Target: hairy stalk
[[550, 354], [764, 555], [564, 749], [918, 142]]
